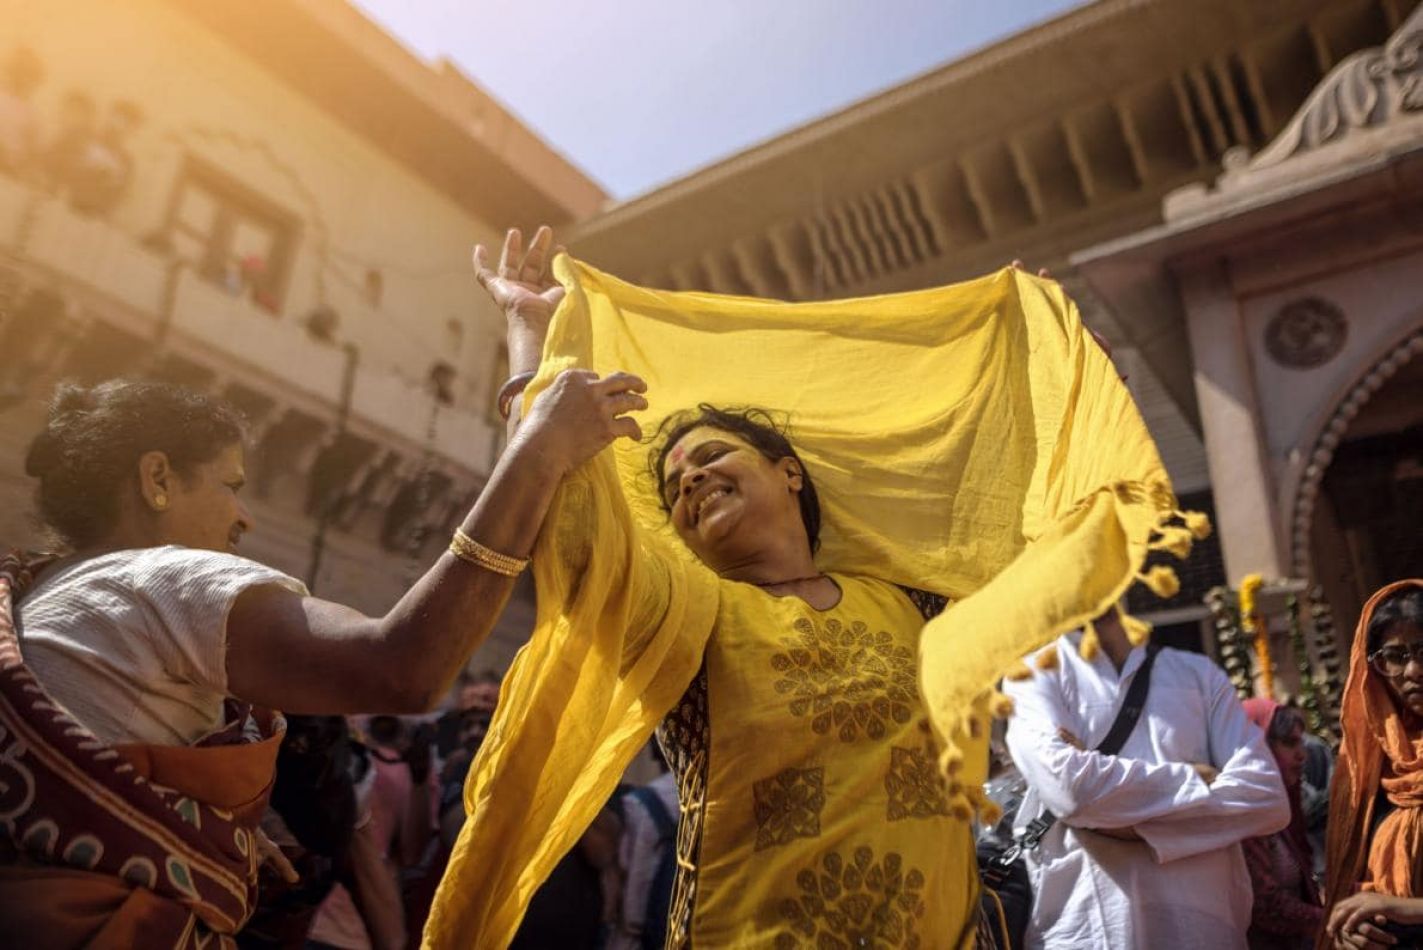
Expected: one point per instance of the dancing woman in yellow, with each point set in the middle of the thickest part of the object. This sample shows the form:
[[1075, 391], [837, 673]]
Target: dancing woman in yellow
[[816, 808], [810, 714]]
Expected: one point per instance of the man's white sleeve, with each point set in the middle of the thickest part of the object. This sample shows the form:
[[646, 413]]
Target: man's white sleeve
[[1086, 789], [1247, 799]]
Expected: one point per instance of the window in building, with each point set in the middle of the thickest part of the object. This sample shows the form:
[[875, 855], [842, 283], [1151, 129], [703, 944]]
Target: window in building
[[232, 236]]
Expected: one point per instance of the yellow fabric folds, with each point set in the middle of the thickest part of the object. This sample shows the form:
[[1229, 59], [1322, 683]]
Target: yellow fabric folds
[[970, 440]]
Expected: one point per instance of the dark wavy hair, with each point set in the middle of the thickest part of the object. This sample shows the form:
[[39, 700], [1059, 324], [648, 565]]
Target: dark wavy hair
[[1401, 607], [1284, 722], [759, 428], [95, 436]]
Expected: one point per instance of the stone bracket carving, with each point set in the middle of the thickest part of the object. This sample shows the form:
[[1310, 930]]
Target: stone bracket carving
[[1366, 90]]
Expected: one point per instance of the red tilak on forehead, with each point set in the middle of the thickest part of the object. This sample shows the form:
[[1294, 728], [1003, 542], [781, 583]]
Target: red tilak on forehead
[[677, 455]]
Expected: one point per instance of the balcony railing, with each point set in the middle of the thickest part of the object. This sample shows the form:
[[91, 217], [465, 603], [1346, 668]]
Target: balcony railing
[[236, 328], [86, 250]]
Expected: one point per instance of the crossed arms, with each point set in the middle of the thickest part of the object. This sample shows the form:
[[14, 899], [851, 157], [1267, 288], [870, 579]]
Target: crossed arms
[[1177, 808]]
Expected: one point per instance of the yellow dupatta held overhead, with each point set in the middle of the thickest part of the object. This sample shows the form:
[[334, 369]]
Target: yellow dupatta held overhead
[[970, 440]]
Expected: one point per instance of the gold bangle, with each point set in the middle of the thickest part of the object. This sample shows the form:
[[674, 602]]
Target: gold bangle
[[511, 390], [466, 548]]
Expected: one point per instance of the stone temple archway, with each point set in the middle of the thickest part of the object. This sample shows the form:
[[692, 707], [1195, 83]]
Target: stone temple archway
[[1358, 515]]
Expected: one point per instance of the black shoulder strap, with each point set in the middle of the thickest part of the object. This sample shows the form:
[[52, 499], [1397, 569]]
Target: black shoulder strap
[[662, 819], [1132, 705]]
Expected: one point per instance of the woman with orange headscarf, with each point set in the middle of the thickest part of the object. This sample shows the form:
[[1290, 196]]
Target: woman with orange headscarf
[[1375, 844]]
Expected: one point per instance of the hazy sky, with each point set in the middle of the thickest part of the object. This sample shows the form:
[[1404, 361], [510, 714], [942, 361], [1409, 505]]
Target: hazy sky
[[638, 92]]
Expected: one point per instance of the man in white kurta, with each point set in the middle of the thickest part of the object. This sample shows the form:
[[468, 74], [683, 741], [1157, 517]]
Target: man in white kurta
[[1177, 879]]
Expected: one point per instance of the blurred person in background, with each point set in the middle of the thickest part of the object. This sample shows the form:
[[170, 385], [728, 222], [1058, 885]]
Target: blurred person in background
[[1287, 913], [74, 135], [139, 667], [312, 818], [396, 825], [1374, 887], [471, 701], [647, 855], [574, 909], [100, 177], [480, 691], [1314, 797], [470, 728], [19, 121]]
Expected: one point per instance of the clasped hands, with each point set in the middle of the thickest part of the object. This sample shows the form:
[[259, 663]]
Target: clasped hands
[[1357, 922]]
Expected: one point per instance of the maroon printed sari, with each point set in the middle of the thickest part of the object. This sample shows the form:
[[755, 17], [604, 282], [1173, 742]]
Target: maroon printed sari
[[127, 845]]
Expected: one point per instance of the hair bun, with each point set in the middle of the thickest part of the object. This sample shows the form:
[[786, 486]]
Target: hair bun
[[47, 450]]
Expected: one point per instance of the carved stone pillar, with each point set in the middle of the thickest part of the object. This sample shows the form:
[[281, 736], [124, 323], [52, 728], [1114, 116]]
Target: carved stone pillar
[[1248, 523]]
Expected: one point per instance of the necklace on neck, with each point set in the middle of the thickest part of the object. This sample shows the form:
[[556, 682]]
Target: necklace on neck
[[793, 580]]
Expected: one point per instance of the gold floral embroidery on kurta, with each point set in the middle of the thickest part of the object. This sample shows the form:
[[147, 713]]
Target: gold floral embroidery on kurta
[[856, 903], [788, 806], [914, 785], [846, 678]]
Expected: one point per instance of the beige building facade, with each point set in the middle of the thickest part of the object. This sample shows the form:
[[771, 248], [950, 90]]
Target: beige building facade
[[1231, 191], [296, 201], [1111, 145], [1298, 277]]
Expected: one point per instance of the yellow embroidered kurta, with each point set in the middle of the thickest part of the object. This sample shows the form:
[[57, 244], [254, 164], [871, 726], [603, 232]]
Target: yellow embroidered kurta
[[971, 441], [825, 813]]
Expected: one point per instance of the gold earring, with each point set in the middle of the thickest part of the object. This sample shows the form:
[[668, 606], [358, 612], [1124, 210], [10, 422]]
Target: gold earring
[[160, 501]]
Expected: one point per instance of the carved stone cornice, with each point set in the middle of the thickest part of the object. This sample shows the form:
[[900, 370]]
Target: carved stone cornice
[[1368, 89], [1366, 110]]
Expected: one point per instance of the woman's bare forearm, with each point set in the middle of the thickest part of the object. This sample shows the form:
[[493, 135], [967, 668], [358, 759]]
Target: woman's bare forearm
[[451, 611], [306, 655], [525, 341]]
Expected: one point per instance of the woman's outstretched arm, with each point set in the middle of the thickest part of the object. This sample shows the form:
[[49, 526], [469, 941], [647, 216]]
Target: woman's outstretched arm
[[307, 655]]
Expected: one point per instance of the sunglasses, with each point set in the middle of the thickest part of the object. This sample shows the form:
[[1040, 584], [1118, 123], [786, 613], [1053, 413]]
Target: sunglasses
[[1394, 660]]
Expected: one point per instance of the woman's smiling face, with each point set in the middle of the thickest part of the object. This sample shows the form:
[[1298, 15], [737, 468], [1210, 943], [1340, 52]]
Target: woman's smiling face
[[723, 494]]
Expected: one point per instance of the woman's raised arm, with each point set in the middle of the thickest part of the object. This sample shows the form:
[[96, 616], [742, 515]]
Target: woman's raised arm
[[525, 292]]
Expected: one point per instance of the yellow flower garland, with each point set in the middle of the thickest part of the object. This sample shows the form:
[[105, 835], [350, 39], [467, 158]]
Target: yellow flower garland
[[1252, 623]]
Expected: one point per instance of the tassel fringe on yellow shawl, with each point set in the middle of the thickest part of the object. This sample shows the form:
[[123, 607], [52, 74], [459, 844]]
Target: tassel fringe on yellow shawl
[[970, 440]]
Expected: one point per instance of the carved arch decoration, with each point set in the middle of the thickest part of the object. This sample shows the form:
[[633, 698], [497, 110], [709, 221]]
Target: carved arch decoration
[[1331, 434]]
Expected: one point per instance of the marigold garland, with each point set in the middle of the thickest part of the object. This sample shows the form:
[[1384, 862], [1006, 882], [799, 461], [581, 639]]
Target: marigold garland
[[1254, 625]]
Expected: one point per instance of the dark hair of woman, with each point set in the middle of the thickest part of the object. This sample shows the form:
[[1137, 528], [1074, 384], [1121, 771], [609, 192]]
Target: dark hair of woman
[[759, 429], [95, 436], [1284, 723], [1404, 607]]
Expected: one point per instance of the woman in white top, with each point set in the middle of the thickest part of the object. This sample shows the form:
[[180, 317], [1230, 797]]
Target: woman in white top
[[124, 654]]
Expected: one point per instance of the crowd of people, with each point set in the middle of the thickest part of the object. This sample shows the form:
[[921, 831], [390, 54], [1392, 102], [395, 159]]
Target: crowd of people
[[150, 796], [1206, 824], [81, 154]]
